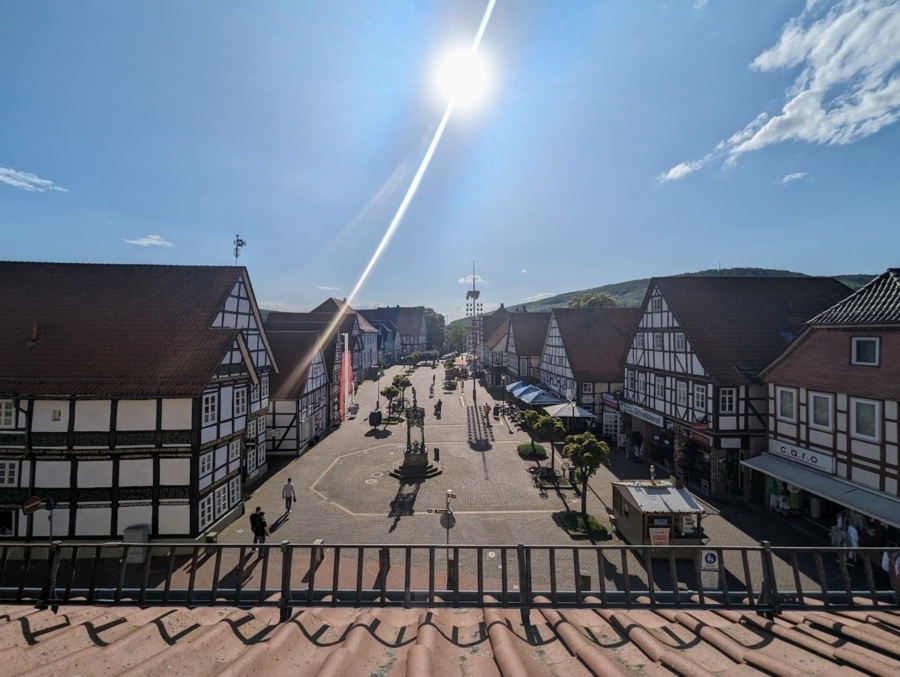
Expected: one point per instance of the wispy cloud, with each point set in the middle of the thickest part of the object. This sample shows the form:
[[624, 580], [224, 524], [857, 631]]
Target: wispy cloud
[[27, 181], [700, 4], [794, 176], [324, 287], [469, 279], [283, 307], [848, 87], [151, 241], [539, 297]]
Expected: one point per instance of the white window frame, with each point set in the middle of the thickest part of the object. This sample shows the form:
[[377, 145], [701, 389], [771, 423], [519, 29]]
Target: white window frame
[[629, 380], [221, 500], [206, 463], [260, 455], [700, 397], [261, 428], [210, 408], [660, 387], [854, 402], [681, 393], [657, 341], [7, 414], [779, 401], [642, 383], [811, 408], [587, 388], [240, 401], [728, 400], [639, 340], [656, 304], [265, 385], [856, 341], [234, 491], [680, 343], [254, 392], [251, 430], [205, 511], [251, 461], [9, 473], [234, 449]]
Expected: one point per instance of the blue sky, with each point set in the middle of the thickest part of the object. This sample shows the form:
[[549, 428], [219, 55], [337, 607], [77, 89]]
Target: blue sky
[[618, 140]]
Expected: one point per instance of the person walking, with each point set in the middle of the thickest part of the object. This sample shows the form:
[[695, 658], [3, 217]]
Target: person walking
[[260, 530], [289, 495], [254, 520]]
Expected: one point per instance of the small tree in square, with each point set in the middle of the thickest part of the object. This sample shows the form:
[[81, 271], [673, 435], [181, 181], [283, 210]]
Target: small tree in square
[[587, 454], [401, 382], [390, 393]]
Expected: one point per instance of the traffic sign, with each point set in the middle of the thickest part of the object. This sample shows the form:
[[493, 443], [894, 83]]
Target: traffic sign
[[438, 511], [710, 560], [31, 505], [448, 522]]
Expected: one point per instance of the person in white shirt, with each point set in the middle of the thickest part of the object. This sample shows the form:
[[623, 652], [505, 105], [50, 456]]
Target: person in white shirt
[[289, 495]]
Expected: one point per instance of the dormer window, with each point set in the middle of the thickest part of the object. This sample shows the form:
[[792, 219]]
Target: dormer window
[[865, 351], [656, 304]]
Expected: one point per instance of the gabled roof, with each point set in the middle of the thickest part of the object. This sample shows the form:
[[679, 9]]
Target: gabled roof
[[737, 325], [333, 306], [529, 331], [490, 322], [497, 339], [112, 330], [595, 340], [295, 352], [878, 302], [407, 320]]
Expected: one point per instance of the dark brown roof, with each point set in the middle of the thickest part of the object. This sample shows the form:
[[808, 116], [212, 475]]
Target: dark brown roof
[[333, 306], [94, 640], [407, 320], [529, 331], [820, 360], [490, 323], [878, 302], [738, 325], [320, 323], [595, 340], [295, 352], [496, 340], [112, 330]]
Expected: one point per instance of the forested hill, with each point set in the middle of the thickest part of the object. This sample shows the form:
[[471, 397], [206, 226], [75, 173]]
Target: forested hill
[[631, 293]]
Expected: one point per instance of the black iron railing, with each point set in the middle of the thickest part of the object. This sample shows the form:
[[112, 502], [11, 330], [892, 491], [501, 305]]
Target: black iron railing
[[286, 575]]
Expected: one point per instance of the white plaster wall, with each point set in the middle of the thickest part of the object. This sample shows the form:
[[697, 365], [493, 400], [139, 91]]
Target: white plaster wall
[[231, 304], [820, 438], [866, 478], [866, 450], [220, 456], [174, 519], [48, 474], [226, 402], [92, 414], [25, 474], [42, 420], [93, 521], [176, 414], [136, 472], [174, 471], [136, 415], [209, 433], [42, 524], [205, 481], [219, 474], [95, 473], [134, 515]]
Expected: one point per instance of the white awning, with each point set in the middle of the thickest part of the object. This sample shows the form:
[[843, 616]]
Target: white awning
[[874, 504]]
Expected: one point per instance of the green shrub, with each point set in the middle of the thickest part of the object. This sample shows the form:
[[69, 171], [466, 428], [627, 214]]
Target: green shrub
[[575, 522], [531, 453]]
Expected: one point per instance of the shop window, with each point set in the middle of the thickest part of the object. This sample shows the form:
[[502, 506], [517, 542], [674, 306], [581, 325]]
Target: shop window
[[786, 403], [820, 407]]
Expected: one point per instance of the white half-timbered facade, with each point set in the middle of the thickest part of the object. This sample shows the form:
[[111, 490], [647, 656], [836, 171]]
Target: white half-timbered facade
[[692, 398], [525, 345], [135, 398]]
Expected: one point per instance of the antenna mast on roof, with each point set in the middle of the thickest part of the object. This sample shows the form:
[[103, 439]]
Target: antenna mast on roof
[[238, 243]]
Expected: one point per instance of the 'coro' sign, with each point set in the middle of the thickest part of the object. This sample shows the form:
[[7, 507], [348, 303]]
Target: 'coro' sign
[[820, 460]]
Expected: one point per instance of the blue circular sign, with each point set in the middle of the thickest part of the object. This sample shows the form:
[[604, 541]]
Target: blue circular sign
[[710, 558]]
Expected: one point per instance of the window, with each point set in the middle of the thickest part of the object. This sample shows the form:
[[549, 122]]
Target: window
[[261, 455], [630, 380], [240, 401], [865, 351], [865, 420], [700, 397], [262, 427], [265, 385], [587, 388], [642, 383], [681, 393], [254, 393], [234, 450], [727, 401], [251, 430], [251, 462], [8, 473], [787, 401], [206, 511], [657, 341], [656, 303], [210, 408], [661, 387], [221, 500], [7, 414], [639, 340], [206, 461], [679, 341], [234, 491], [820, 410]]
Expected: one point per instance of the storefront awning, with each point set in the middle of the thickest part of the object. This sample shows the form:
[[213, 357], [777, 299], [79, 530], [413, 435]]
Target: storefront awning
[[870, 503], [515, 386], [567, 410]]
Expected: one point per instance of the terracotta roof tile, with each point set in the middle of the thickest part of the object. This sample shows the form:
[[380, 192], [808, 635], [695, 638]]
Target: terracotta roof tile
[[103, 330], [595, 340]]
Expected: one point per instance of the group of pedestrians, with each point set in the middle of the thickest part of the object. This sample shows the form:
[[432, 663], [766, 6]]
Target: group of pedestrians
[[258, 523]]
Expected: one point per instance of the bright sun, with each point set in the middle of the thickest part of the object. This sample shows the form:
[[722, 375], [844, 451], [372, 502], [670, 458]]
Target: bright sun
[[462, 78]]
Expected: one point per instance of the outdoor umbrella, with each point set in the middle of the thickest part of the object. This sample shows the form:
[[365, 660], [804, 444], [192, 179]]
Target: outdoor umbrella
[[539, 397], [566, 410]]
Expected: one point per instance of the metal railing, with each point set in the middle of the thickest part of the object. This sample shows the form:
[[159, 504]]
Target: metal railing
[[762, 577]]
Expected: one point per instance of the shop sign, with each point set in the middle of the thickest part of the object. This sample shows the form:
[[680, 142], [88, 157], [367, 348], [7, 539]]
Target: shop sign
[[820, 460], [659, 537], [609, 400], [643, 414], [587, 399]]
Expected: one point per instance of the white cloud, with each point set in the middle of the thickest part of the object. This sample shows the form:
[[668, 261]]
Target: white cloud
[[151, 241], [539, 297], [27, 181], [327, 288], [794, 176], [524, 271], [469, 279], [848, 86]]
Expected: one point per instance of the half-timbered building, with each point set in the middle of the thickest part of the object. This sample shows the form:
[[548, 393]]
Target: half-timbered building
[[833, 429], [525, 345], [582, 358], [412, 334], [130, 396], [363, 336], [493, 358], [692, 397], [299, 393]]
